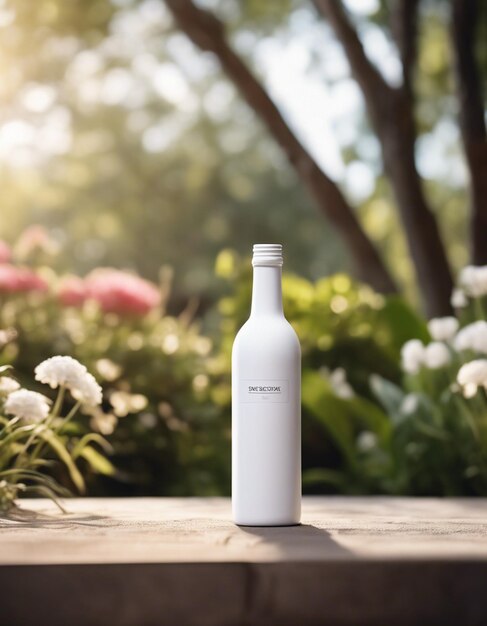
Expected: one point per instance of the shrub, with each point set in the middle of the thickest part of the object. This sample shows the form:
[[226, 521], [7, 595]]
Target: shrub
[[162, 403], [342, 326]]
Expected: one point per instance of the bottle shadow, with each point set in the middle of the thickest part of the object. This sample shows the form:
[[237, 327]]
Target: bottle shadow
[[303, 542]]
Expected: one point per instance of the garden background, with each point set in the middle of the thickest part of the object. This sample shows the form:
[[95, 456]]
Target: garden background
[[146, 145]]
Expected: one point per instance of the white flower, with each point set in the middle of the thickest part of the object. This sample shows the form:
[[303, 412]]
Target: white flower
[[339, 384], [415, 355], [102, 422], [88, 391], [366, 441], [64, 370], [29, 405], [345, 391], [472, 337], [458, 299], [412, 356], [7, 385], [473, 279], [60, 370], [471, 376], [409, 404], [436, 355], [108, 369], [443, 328]]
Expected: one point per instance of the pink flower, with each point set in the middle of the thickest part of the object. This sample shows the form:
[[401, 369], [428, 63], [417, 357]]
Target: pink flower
[[121, 292], [5, 252], [19, 279], [32, 239], [72, 291]]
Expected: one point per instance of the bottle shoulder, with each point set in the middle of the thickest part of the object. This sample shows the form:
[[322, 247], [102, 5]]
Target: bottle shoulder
[[266, 332]]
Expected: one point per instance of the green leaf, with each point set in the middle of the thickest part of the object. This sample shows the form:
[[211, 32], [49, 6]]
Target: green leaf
[[41, 462], [389, 395], [59, 448], [369, 415], [88, 438], [37, 477], [331, 411], [8, 441], [343, 418], [97, 461], [432, 431], [18, 433], [404, 323], [46, 493]]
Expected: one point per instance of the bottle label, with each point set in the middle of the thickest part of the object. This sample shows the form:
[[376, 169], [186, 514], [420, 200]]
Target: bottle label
[[269, 390]]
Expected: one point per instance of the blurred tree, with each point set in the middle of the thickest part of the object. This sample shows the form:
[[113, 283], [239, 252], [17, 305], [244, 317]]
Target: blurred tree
[[119, 135], [390, 109], [465, 23], [207, 32], [158, 161]]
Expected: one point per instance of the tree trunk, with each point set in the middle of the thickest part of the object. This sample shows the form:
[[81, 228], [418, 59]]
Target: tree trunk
[[391, 113], [472, 122], [420, 226]]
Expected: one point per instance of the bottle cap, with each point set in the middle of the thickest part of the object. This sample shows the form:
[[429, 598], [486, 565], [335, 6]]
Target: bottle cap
[[269, 254]]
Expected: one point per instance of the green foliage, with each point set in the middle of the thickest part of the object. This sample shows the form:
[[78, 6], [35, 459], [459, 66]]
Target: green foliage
[[367, 426], [429, 434], [162, 411], [167, 385], [341, 325], [160, 418]]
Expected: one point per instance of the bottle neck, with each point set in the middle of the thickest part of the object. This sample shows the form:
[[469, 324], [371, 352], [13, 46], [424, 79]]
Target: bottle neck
[[266, 291]]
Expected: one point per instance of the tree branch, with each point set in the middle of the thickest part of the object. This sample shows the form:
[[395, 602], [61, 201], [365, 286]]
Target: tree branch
[[375, 89], [472, 122], [404, 28], [207, 32]]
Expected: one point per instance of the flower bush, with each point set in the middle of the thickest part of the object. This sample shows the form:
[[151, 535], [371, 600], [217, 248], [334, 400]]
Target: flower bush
[[429, 434], [18, 279], [114, 291], [34, 432], [391, 404], [347, 332], [163, 395]]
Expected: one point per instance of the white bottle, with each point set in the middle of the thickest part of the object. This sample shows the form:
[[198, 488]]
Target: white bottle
[[266, 405]]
